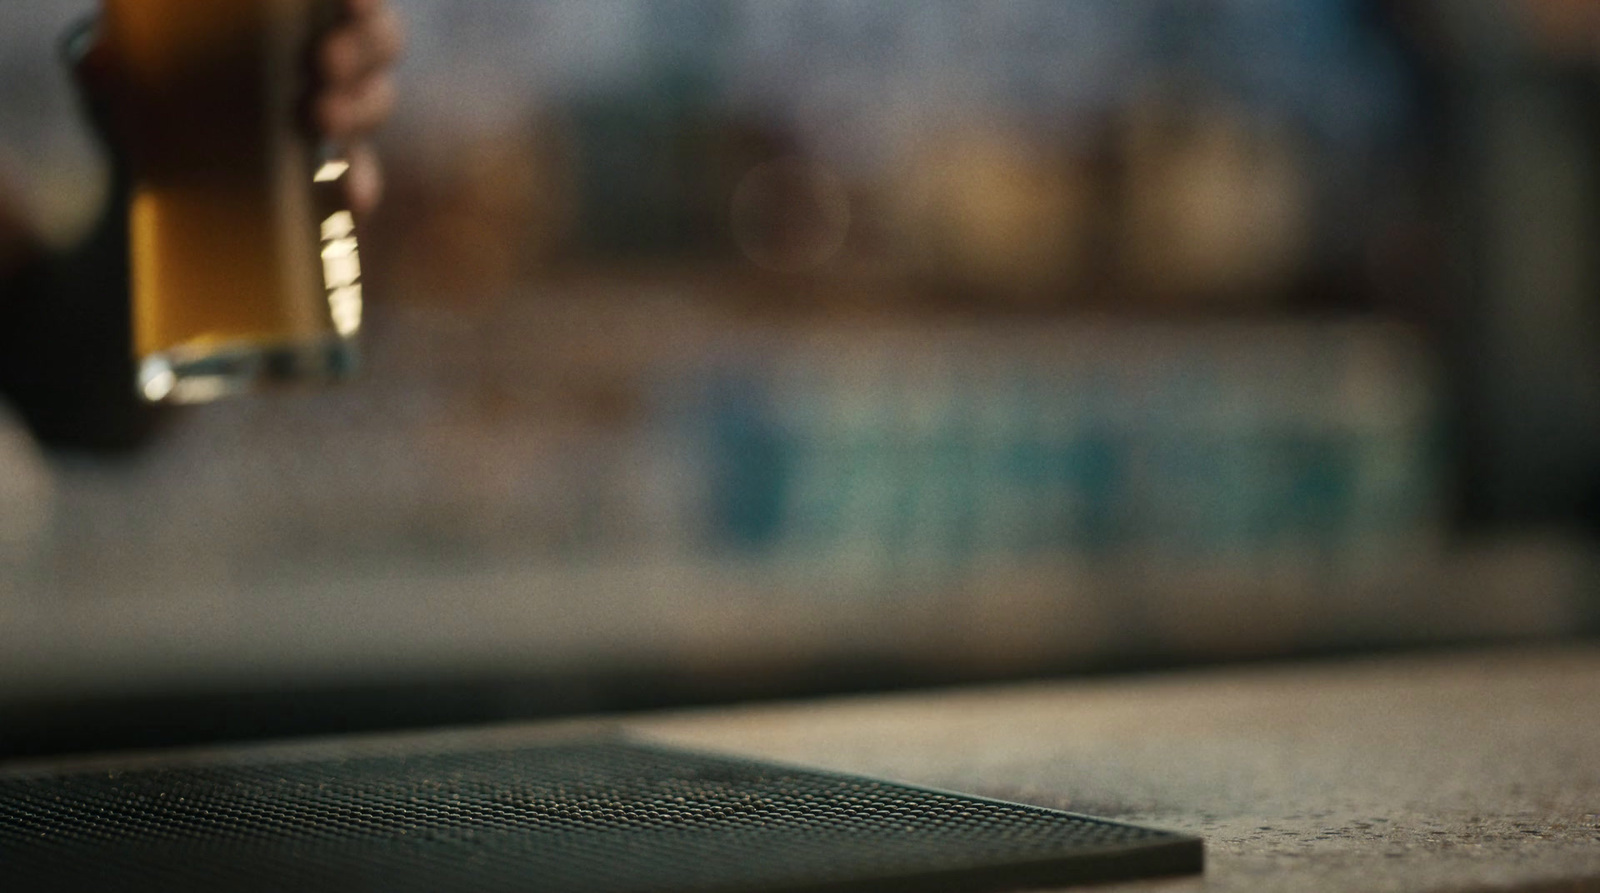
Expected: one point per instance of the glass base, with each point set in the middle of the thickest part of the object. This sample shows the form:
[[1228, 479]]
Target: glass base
[[189, 376]]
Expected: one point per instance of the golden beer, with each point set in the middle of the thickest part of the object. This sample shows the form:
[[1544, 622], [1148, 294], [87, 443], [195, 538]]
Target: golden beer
[[245, 265]]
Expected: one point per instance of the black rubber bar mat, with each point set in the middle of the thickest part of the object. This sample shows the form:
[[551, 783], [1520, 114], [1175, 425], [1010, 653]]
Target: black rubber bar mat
[[598, 816]]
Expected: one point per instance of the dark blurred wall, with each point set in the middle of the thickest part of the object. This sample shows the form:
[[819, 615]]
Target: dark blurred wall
[[1518, 138]]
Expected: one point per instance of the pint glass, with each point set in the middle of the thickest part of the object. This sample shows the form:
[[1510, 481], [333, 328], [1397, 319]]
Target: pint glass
[[245, 268]]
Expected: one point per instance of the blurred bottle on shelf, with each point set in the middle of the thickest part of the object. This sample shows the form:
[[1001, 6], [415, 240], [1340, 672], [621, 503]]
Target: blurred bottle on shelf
[[471, 217], [1217, 211], [996, 215]]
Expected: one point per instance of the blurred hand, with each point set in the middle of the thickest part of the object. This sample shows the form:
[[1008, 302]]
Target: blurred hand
[[356, 91]]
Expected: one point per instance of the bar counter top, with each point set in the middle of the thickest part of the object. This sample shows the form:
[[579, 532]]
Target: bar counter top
[[1468, 771], [1447, 772]]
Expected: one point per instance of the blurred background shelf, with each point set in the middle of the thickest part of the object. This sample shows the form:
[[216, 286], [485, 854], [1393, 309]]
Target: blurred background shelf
[[408, 620]]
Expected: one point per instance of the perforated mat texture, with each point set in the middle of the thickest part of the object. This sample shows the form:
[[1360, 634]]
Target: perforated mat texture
[[602, 816]]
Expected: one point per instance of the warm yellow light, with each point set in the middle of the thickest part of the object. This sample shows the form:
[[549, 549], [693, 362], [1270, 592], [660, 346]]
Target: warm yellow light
[[160, 386], [347, 307], [339, 226], [341, 270], [339, 248], [332, 171]]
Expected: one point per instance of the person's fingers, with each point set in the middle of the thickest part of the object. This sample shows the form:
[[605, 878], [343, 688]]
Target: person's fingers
[[357, 92], [356, 111], [363, 183], [369, 41]]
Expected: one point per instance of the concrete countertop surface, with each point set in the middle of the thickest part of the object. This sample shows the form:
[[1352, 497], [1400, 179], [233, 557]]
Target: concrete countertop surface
[[1436, 773], [1458, 772]]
